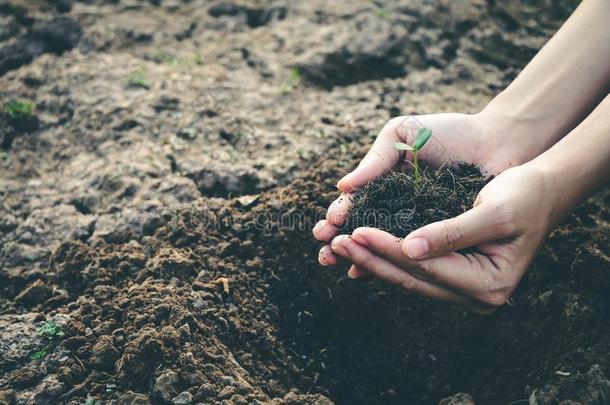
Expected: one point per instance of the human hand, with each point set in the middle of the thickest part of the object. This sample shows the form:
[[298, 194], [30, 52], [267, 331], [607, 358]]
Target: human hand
[[511, 217], [473, 139]]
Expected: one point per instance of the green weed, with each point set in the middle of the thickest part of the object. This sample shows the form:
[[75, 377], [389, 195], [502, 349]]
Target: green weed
[[39, 354], [50, 330], [18, 110]]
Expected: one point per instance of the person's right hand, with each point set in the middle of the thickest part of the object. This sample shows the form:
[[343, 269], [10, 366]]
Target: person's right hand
[[499, 225], [456, 138]]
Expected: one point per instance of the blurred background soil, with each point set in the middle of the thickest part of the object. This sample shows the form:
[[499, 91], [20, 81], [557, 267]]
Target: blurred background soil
[[143, 208]]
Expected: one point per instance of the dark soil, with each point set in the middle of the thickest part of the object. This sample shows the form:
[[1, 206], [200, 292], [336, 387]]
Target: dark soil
[[395, 204], [166, 228]]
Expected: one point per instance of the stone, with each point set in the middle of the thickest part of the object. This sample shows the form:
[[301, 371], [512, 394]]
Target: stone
[[35, 293], [165, 385], [184, 398]]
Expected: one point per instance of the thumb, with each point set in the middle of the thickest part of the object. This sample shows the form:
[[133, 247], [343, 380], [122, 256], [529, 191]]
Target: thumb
[[481, 224], [381, 157]]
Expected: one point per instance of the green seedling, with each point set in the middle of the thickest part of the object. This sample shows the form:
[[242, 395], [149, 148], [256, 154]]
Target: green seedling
[[39, 354], [50, 330], [292, 81], [91, 401], [18, 110], [138, 79], [423, 134]]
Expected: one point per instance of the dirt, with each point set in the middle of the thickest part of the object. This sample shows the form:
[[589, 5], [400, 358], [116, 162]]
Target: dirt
[[399, 203], [160, 210]]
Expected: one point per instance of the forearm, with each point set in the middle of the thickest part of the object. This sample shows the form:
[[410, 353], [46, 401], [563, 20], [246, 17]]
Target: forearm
[[579, 164], [562, 84]]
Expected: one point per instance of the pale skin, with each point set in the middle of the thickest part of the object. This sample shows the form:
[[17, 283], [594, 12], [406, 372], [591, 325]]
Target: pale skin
[[546, 138]]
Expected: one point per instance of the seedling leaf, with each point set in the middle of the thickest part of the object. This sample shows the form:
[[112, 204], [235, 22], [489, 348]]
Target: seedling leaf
[[423, 134], [402, 146], [18, 110], [50, 330], [39, 354]]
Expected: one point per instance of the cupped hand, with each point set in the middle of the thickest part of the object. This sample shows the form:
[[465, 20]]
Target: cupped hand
[[455, 138], [510, 219]]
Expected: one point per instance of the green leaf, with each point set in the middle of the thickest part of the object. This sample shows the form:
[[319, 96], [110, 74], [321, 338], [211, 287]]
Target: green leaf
[[50, 330], [423, 134], [401, 146], [40, 354]]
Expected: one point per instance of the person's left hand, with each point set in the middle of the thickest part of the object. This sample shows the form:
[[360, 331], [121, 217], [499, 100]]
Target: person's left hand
[[511, 217]]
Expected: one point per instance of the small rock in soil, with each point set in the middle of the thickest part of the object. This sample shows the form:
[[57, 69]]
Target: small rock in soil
[[184, 398], [104, 353], [25, 377], [133, 398], [166, 385], [35, 293]]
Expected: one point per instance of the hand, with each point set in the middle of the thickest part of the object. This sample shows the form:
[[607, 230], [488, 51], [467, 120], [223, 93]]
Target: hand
[[474, 139], [511, 217]]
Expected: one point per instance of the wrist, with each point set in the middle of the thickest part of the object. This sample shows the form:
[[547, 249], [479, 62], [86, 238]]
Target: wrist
[[550, 187], [518, 126], [505, 140]]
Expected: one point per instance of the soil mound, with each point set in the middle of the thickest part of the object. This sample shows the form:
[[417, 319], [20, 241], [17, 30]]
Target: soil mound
[[396, 204]]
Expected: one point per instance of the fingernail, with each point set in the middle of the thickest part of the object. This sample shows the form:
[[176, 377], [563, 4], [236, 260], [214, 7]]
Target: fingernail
[[337, 245], [322, 260], [417, 248], [351, 273], [318, 224]]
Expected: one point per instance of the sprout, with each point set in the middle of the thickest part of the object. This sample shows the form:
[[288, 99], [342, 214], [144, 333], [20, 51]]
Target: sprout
[[423, 134], [39, 354], [50, 330], [18, 110]]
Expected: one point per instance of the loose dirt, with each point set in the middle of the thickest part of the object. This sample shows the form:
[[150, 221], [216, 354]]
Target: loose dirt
[[159, 211]]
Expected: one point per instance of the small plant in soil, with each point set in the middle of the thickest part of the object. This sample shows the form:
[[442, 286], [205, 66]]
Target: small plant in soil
[[401, 202], [423, 135], [91, 401], [20, 117], [39, 354], [50, 330], [18, 110]]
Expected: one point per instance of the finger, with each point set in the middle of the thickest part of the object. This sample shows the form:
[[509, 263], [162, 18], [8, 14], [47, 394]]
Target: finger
[[339, 209], [347, 248], [472, 275], [381, 157], [481, 224], [386, 246], [326, 257], [355, 272], [324, 231]]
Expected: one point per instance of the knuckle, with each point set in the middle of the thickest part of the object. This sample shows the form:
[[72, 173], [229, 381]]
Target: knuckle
[[396, 121], [452, 232], [505, 220], [397, 128], [407, 284], [367, 261], [496, 298]]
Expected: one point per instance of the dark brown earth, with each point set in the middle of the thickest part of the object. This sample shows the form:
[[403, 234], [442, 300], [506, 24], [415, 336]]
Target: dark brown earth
[[399, 204], [159, 210]]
